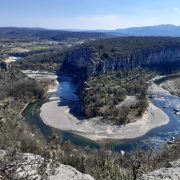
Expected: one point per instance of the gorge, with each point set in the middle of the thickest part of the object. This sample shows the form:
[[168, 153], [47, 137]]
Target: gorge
[[50, 111], [108, 70], [88, 60]]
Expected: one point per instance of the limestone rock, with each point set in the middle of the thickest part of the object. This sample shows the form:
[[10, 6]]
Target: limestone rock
[[172, 172], [85, 59], [30, 166], [67, 173]]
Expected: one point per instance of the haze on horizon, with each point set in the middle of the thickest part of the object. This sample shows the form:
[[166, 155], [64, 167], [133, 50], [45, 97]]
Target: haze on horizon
[[88, 14]]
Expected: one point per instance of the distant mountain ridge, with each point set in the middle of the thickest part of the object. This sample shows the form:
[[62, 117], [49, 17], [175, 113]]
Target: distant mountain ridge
[[58, 35], [46, 34], [159, 30]]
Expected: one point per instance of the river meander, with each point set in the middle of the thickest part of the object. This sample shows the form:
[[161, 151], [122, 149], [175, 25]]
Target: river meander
[[156, 137]]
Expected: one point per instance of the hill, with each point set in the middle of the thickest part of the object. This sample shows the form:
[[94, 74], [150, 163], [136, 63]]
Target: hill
[[45, 34], [159, 30]]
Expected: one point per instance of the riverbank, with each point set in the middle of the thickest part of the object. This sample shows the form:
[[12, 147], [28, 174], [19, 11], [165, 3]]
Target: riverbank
[[59, 117], [173, 86], [43, 75], [40, 75], [170, 83]]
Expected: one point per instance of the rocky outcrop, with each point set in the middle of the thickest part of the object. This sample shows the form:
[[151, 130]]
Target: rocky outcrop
[[171, 172], [29, 166], [172, 85], [69, 173], [86, 59]]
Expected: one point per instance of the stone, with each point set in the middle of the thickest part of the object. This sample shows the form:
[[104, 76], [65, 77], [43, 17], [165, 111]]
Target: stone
[[29, 166], [172, 172], [67, 173]]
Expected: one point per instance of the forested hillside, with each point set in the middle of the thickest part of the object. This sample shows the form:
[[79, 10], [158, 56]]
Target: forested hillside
[[16, 91], [12, 33]]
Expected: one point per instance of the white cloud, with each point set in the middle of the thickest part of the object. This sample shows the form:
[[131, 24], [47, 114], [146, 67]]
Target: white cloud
[[109, 21], [112, 21], [94, 22], [100, 21], [177, 10]]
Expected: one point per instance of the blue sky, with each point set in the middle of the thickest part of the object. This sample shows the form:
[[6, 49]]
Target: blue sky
[[88, 14]]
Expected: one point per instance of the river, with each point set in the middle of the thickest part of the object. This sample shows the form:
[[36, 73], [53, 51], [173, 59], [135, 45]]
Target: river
[[155, 137]]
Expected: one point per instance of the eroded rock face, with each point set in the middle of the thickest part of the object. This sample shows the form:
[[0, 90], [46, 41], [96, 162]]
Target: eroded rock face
[[68, 173], [92, 63], [80, 58], [30, 166], [172, 172]]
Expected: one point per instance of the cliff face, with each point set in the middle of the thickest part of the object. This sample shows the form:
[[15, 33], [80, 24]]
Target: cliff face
[[92, 63]]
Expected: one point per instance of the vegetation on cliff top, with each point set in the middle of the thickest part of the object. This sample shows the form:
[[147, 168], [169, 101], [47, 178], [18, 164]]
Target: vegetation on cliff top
[[126, 46], [104, 55], [49, 61]]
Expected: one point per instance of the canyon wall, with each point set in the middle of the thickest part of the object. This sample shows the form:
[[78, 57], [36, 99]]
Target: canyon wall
[[89, 61]]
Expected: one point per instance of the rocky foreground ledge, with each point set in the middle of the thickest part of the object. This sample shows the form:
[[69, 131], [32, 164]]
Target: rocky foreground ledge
[[29, 166], [171, 172]]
